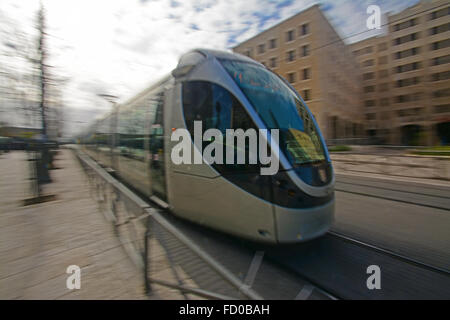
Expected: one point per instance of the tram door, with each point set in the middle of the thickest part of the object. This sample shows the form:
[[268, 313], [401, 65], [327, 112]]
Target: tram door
[[156, 148]]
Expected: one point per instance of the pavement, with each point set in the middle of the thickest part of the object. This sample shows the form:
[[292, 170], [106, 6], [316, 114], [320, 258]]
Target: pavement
[[405, 215], [38, 242], [392, 164]]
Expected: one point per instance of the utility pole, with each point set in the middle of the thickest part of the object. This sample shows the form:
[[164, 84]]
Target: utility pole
[[44, 163], [42, 69]]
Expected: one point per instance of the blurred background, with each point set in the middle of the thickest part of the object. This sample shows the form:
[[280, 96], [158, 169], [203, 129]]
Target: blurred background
[[379, 90], [364, 86]]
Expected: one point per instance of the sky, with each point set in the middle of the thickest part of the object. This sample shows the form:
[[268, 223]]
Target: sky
[[119, 47]]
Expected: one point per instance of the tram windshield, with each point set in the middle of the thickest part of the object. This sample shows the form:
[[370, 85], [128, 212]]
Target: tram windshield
[[281, 109]]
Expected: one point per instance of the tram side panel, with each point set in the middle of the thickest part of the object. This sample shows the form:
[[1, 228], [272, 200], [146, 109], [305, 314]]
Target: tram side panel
[[198, 193], [131, 148]]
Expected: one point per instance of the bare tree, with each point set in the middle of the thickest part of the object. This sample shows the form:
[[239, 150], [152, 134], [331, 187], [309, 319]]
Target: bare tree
[[43, 70], [30, 91]]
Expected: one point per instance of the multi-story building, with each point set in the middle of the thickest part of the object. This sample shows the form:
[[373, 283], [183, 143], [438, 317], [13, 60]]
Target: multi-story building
[[406, 76], [306, 50], [373, 57]]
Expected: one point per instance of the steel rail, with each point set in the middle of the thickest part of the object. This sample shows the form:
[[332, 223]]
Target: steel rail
[[390, 189], [187, 289], [390, 253], [392, 199]]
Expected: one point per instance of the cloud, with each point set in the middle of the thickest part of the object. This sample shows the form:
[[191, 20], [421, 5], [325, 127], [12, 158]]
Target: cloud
[[120, 46]]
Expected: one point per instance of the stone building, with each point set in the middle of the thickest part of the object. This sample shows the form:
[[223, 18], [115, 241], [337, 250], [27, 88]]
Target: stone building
[[406, 77], [306, 50]]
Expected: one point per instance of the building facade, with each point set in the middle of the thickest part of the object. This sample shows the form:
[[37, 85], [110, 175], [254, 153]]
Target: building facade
[[306, 50], [406, 77], [393, 88]]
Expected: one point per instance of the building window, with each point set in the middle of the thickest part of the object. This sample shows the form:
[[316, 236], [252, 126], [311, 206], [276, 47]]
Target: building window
[[382, 60], [363, 51], [407, 82], [369, 103], [368, 63], [382, 46], [306, 73], [440, 13], [441, 93], [273, 62], [407, 67], [291, 77], [440, 44], [272, 43], [384, 102], [410, 112], [290, 35], [440, 76], [371, 116], [383, 87], [383, 73], [407, 38], [404, 25], [406, 53], [307, 94], [290, 55], [408, 97], [440, 60], [443, 108], [304, 29], [248, 53], [369, 89], [305, 50], [440, 29], [261, 48], [368, 76]]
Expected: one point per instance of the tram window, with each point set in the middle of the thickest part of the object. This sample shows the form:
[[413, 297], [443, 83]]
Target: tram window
[[217, 108], [131, 130], [209, 103], [156, 124], [299, 137], [103, 134]]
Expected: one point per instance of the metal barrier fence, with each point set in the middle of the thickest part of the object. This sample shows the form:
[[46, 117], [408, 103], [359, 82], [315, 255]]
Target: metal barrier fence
[[159, 249]]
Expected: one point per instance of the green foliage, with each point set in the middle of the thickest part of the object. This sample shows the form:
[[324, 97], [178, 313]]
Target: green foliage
[[434, 151], [340, 148]]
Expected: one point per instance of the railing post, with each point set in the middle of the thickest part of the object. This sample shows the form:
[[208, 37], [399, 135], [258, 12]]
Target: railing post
[[148, 287], [152, 219]]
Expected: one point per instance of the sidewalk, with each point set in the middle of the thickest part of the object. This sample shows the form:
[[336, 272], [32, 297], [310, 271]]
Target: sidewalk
[[390, 165], [38, 242]]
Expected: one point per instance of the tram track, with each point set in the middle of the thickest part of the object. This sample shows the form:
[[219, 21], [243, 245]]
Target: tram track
[[334, 266], [392, 199], [330, 267], [441, 202], [339, 265], [437, 192], [391, 253]]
